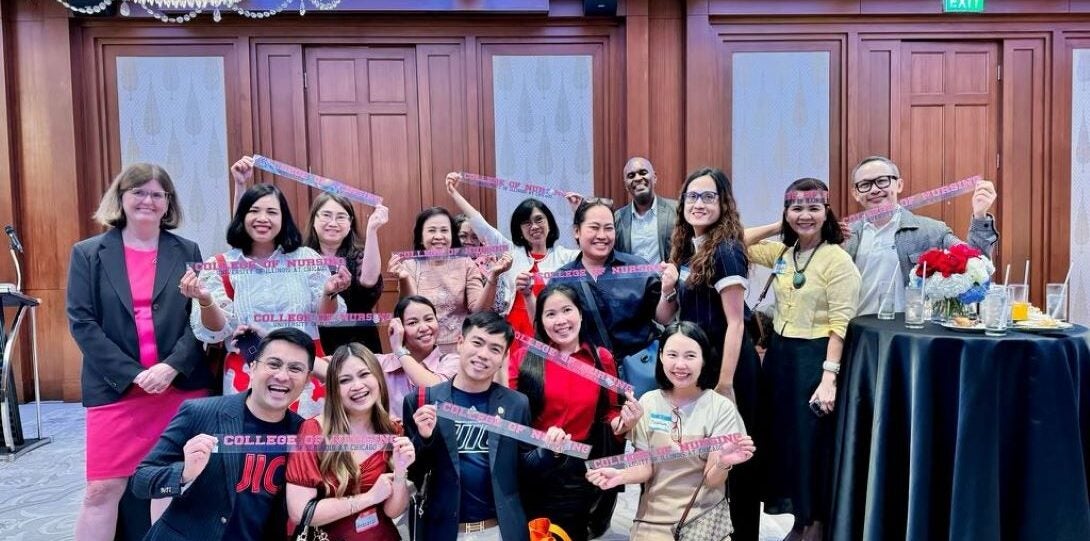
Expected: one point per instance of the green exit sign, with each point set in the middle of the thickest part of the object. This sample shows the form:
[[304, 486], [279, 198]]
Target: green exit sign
[[963, 6]]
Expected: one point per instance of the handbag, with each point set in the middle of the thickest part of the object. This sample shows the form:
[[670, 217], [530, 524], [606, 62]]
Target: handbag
[[541, 529], [304, 531], [711, 525], [638, 368]]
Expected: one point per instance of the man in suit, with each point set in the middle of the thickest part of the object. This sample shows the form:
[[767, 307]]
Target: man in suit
[[220, 496], [471, 492], [645, 225], [890, 245]]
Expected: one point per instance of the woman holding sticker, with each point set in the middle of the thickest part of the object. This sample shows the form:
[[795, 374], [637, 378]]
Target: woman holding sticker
[[817, 287], [685, 408], [355, 492], [264, 241], [705, 283], [580, 407]]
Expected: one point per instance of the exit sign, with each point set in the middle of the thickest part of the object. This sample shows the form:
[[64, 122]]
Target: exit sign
[[963, 6]]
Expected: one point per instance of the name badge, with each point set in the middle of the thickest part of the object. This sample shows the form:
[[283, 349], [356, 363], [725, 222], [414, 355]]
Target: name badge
[[683, 273], [780, 267], [366, 520], [661, 422]]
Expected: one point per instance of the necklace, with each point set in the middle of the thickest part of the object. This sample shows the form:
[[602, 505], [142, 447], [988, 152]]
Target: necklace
[[799, 279]]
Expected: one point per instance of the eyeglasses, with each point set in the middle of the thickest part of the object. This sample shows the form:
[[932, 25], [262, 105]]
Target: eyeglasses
[[598, 201], [675, 426], [274, 365], [633, 174], [140, 194], [705, 197], [883, 182], [538, 220], [339, 217]]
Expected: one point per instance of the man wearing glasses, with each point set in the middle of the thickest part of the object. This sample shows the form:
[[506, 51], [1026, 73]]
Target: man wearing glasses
[[891, 241], [644, 226], [236, 496]]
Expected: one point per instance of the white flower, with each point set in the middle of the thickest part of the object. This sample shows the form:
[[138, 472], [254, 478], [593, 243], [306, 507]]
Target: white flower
[[979, 269]]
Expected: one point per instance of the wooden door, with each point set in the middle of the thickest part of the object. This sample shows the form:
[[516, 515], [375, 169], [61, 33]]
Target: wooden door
[[363, 129], [946, 127]]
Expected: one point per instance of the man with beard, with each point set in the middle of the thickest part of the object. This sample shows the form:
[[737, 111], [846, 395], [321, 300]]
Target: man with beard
[[644, 226]]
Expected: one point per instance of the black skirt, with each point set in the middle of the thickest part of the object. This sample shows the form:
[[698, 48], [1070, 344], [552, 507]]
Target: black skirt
[[796, 445]]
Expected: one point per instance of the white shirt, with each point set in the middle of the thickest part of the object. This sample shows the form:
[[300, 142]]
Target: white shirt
[[645, 234], [878, 264]]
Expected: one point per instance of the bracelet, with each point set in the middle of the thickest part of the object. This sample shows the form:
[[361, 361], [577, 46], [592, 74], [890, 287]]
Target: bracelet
[[672, 296], [203, 305], [830, 366], [720, 466]]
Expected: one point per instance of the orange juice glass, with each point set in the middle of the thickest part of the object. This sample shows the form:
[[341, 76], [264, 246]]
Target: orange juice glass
[[1019, 302]]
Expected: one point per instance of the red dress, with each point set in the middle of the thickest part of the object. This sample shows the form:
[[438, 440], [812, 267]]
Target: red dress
[[303, 471]]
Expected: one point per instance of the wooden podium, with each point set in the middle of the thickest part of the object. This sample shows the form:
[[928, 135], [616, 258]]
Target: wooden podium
[[14, 444]]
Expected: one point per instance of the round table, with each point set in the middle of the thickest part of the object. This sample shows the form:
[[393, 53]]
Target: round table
[[961, 436]]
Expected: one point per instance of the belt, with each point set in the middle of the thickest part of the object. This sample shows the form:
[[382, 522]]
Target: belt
[[470, 527]]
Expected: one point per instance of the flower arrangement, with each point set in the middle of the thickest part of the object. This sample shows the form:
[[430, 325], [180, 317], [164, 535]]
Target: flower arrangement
[[955, 277]]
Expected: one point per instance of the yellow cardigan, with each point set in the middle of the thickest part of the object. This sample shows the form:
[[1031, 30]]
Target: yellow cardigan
[[825, 303]]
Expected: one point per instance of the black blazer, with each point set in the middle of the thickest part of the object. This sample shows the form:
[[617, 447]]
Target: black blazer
[[506, 457], [204, 509], [100, 316]]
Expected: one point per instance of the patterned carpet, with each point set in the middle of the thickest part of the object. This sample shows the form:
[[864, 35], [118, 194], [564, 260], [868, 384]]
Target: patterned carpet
[[40, 492]]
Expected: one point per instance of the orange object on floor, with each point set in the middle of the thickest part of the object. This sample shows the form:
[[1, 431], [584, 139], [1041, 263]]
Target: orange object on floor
[[541, 529]]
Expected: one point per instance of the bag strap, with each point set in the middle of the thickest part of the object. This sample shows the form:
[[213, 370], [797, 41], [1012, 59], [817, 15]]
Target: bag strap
[[225, 277], [593, 307], [689, 506], [771, 277], [304, 521]]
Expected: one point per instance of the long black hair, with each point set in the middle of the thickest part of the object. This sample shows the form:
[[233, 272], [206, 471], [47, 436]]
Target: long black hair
[[532, 370], [352, 245], [522, 214], [289, 238], [830, 230]]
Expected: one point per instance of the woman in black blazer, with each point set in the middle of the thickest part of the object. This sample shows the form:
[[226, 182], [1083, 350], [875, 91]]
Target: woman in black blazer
[[130, 321]]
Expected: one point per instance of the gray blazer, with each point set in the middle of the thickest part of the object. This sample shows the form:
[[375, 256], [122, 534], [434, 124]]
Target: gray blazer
[[100, 316], [204, 509], [917, 234], [665, 212]]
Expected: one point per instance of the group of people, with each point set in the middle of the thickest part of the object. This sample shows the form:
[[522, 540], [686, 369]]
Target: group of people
[[150, 326]]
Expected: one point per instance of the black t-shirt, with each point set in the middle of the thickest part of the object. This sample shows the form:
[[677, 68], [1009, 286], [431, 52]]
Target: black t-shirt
[[261, 479], [702, 304], [477, 503]]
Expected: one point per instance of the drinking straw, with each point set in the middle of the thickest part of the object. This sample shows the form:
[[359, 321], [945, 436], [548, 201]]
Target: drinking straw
[[1007, 276], [1063, 296], [1025, 279], [924, 288], [892, 279]]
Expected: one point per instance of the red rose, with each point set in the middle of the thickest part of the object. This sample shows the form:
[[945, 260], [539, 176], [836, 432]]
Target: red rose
[[964, 251]]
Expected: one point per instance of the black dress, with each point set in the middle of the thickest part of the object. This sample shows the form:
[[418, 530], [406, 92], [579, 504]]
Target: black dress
[[358, 299], [703, 306]]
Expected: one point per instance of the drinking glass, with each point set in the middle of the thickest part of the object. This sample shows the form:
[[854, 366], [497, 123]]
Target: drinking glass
[[1056, 301], [1019, 301], [994, 311], [886, 307], [914, 308]]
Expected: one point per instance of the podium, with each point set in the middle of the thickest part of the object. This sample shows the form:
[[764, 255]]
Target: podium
[[14, 444]]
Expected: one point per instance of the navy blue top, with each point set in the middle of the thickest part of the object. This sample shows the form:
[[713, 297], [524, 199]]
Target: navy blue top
[[702, 304], [477, 503], [626, 304]]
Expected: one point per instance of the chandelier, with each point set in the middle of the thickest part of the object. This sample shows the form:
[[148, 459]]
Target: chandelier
[[196, 7]]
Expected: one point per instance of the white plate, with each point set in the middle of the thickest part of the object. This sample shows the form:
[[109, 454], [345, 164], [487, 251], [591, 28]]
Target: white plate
[[1029, 326], [979, 327]]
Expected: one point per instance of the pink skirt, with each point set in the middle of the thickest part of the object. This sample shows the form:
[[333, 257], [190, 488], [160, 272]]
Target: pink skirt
[[121, 434]]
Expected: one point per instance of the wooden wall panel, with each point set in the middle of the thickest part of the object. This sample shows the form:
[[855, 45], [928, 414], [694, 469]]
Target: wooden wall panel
[[46, 159], [281, 127], [1023, 189], [666, 66], [869, 104]]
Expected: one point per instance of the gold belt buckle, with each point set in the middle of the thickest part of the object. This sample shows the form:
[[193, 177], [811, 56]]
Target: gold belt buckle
[[472, 527]]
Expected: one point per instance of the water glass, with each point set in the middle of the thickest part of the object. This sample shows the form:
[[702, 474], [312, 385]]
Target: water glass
[[994, 311], [915, 313], [886, 308], [1056, 301]]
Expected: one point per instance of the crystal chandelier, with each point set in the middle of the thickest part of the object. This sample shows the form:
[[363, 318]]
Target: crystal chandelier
[[196, 7]]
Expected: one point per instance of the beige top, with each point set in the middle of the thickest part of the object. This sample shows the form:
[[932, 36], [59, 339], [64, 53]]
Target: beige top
[[452, 285], [672, 483]]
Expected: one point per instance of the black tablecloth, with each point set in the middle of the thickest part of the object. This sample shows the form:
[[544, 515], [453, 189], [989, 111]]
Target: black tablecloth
[[948, 435]]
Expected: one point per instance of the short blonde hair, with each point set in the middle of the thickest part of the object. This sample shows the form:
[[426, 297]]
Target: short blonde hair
[[110, 212]]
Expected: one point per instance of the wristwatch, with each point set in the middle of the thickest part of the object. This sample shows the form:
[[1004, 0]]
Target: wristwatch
[[401, 352], [830, 366]]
